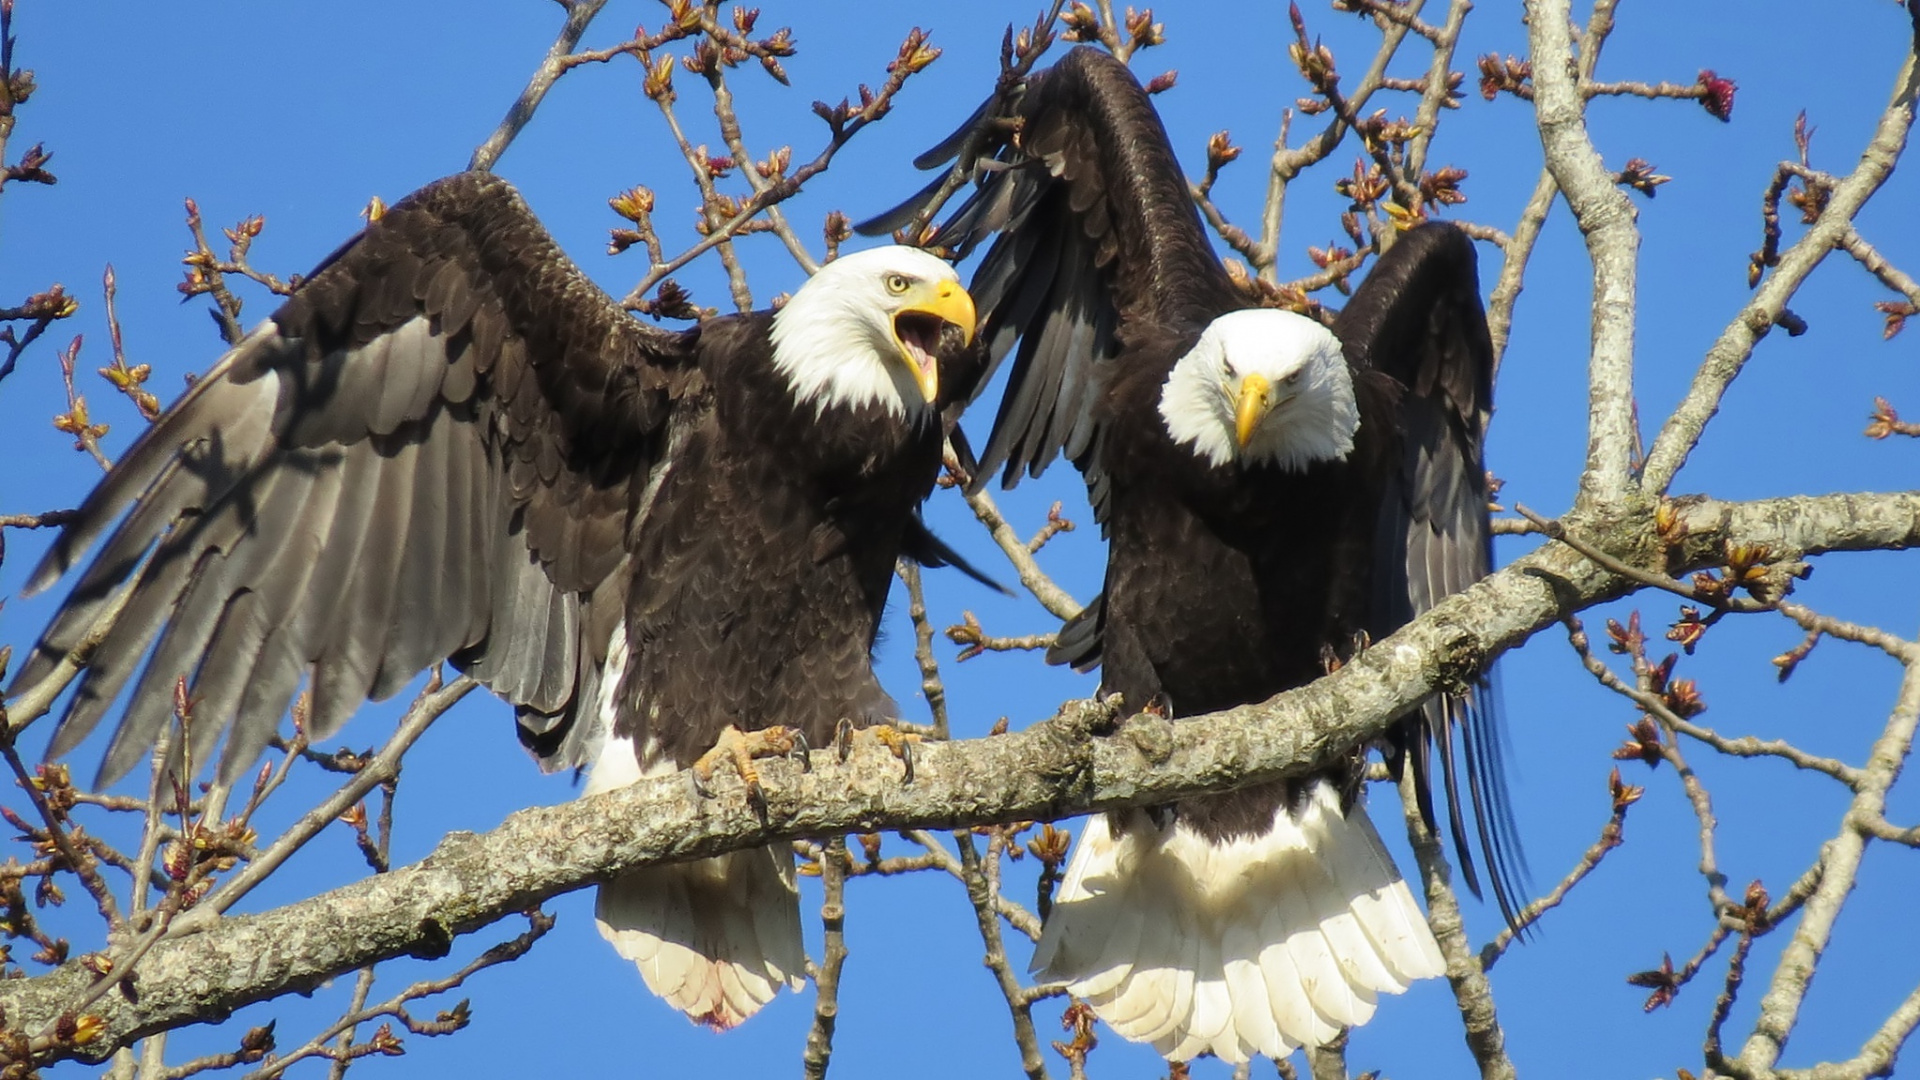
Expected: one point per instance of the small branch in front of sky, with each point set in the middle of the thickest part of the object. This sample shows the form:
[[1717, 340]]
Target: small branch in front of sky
[[932, 687], [1484, 233], [938, 857], [1811, 197], [448, 1021], [1120, 35], [758, 174], [1221, 152], [1056, 524], [343, 1042], [723, 216], [1439, 89], [76, 421], [1389, 11], [15, 88], [579, 14], [57, 836], [1841, 857], [1290, 162], [987, 512], [1079, 1020], [1885, 421], [1515, 254], [973, 640], [129, 380], [1336, 264], [715, 209], [1712, 1049], [1728, 355], [1890, 275], [432, 703], [50, 519], [832, 865], [1486, 1040], [39, 311], [207, 273], [1315, 64], [1612, 835], [1899, 648], [1669, 703], [1714, 93], [983, 886]]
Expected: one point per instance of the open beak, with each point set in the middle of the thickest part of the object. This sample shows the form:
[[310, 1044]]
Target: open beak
[[1255, 402], [916, 329]]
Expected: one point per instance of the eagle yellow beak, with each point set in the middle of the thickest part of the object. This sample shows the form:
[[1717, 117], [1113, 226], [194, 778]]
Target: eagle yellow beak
[[916, 328], [1255, 402]]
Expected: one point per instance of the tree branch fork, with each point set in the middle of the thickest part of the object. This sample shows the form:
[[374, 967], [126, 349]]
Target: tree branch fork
[[1089, 756]]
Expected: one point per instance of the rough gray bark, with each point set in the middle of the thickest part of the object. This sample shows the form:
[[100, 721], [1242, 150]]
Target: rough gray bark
[[1083, 759]]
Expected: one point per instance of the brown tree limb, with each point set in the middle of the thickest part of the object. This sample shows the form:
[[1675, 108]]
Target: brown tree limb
[[1084, 759]]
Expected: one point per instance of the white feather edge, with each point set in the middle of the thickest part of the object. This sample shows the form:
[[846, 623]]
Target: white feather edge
[[1257, 945], [715, 938]]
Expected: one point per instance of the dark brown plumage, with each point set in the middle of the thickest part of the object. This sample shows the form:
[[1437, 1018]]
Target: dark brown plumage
[[1232, 576], [449, 444]]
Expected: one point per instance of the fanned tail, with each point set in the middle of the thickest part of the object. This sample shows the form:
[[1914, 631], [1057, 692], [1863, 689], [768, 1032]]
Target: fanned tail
[[716, 938], [1254, 945]]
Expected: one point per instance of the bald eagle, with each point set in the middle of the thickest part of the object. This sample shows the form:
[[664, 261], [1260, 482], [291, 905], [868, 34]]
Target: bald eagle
[[448, 444], [1272, 492]]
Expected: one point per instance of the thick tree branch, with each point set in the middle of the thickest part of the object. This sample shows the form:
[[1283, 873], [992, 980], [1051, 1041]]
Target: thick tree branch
[[1083, 759], [1606, 218]]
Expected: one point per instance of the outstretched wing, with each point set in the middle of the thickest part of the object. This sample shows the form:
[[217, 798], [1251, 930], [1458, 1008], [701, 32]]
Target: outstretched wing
[[1417, 317], [437, 448], [1097, 239]]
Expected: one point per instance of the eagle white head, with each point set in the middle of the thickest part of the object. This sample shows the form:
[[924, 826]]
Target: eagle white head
[[1262, 386], [864, 330]]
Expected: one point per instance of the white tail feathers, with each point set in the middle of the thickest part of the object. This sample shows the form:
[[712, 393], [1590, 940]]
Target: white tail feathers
[[1257, 945], [716, 938]]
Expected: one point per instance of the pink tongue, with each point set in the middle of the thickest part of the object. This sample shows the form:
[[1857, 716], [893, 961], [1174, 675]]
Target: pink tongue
[[920, 355]]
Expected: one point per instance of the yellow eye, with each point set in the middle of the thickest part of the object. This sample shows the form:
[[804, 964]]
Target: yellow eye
[[897, 283]]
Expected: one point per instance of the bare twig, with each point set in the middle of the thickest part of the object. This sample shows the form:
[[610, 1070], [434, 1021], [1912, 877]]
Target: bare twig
[[1728, 355], [826, 981], [579, 14], [1622, 796]]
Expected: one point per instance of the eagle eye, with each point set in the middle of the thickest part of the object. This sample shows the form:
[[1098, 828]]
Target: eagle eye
[[897, 283], [1294, 379]]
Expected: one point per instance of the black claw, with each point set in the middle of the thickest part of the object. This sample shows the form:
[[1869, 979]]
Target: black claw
[[757, 799], [802, 750], [700, 790], [906, 758], [843, 739]]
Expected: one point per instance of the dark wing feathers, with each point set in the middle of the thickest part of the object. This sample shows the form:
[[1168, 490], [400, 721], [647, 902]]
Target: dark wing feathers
[[924, 546], [1095, 231], [434, 449], [1417, 317]]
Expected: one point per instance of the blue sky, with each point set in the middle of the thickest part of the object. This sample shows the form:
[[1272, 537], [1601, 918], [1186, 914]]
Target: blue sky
[[302, 112]]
